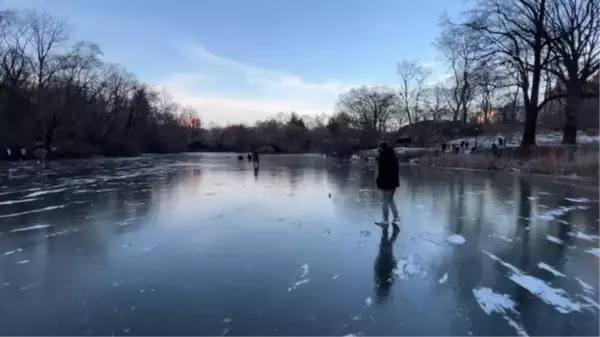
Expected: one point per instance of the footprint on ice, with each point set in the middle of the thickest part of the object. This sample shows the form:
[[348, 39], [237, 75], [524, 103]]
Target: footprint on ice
[[456, 239]]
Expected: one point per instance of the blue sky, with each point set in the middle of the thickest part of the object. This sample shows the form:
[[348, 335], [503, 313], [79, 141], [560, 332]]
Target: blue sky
[[243, 60]]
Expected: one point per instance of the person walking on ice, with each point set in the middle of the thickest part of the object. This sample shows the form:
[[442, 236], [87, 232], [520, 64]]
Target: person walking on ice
[[255, 158], [387, 182]]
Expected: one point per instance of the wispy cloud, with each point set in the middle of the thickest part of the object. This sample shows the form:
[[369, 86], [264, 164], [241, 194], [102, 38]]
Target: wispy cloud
[[225, 90]]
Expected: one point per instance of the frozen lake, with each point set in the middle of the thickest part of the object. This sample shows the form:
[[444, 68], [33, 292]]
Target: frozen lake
[[200, 244]]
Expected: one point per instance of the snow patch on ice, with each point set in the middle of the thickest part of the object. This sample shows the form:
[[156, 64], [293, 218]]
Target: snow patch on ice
[[443, 279], [548, 268], [305, 269], [456, 239], [491, 302], [369, 301], [295, 285], [408, 267], [303, 280], [555, 297]]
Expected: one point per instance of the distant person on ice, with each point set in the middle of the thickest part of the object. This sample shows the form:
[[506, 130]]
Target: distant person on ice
[[387, 181], [255, 158]]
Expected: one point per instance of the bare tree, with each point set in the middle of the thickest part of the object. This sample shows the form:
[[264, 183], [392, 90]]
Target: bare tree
[[488, 79], [412, 77], [574, 34], [515, 31], [369, 109], [434, 99], [461, 50]]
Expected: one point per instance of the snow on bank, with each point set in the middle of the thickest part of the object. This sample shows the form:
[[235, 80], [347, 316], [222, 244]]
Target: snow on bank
[[513, 139]]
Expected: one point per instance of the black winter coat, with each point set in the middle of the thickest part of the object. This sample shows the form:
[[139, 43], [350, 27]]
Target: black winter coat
[[387, 175]]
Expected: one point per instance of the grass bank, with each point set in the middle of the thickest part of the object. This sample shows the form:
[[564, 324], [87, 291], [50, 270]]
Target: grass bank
[[558, 161]]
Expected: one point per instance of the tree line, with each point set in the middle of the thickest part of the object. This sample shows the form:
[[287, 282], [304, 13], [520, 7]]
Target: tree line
[[507, 60], [61, 94]]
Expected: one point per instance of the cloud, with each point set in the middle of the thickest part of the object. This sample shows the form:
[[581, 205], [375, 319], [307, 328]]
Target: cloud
[[224, 90]]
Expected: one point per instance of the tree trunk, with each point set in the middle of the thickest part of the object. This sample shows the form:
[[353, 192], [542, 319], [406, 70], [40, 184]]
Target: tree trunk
[[572, 107], [531, 112]]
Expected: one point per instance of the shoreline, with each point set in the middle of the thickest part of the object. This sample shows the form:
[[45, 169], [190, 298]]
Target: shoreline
[[571, 178]]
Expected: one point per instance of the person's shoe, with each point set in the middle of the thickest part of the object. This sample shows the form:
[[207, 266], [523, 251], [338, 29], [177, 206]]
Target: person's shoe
[[396, 220], [382, 223]]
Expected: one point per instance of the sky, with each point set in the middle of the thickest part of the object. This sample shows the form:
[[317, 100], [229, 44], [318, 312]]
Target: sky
[[246, 60]]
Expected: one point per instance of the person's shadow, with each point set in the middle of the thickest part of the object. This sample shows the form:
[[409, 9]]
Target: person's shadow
[[385, 263], [255, 172]]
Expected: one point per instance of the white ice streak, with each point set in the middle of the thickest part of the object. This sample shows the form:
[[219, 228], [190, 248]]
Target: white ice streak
[[63, 232], [548, 268], [554, 239], [518, 327], [11, 252], [369, 301], [38, 193], [585, 286], [17, 201], [49, 208], [297, 284], [595, 251], [443, 279], [30, 228], [456, 239], [553, 213], [578, 200], [23, 262], [555, 297], [583, 236]]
